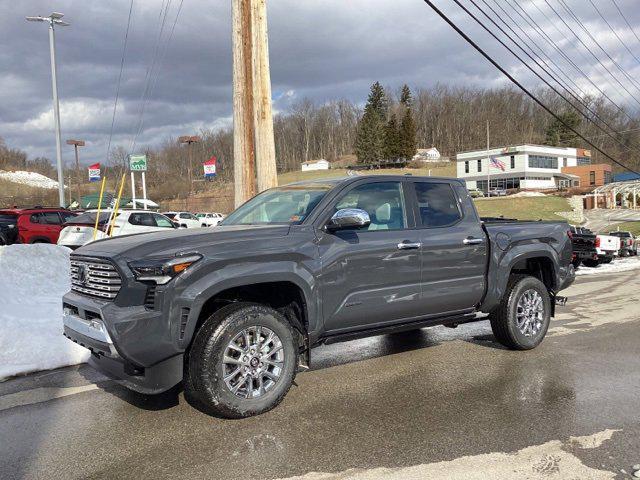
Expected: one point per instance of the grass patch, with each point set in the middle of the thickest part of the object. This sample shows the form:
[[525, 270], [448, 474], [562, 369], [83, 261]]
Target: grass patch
[[633, 227], [438, 170], [523, 208]]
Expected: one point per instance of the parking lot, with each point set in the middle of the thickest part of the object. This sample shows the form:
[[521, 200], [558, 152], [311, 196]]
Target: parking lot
[[447, 402]]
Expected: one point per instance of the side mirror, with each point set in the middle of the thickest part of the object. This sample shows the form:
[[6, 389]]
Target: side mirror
[[348, 218]]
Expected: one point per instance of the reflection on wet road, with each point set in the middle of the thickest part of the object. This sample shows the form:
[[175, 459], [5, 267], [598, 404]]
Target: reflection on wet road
[[408, 405]]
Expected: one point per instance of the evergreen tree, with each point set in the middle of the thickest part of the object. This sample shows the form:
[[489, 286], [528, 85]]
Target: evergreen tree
[[370, 136], [405, 96], [407, 133], [392, 146], [558, 134]]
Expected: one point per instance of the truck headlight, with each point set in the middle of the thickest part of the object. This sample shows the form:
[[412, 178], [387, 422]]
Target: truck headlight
[[162, 270]]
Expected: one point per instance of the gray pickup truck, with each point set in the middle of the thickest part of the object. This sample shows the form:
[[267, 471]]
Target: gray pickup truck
[[232, 312]]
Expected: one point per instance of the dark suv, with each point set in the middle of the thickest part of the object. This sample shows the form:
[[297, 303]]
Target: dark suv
[[37, 224]]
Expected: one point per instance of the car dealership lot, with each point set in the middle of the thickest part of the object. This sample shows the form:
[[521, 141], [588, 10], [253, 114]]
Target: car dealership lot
[[403, 402]]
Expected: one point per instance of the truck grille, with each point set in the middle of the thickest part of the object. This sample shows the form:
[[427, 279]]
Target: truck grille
[[94, 277]]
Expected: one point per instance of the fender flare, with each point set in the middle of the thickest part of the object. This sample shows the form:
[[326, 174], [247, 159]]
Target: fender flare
[[498, 276], [198, 293]]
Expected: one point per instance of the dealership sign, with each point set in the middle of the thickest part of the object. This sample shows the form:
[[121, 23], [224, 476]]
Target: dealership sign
[[138, 163], [94, 172]]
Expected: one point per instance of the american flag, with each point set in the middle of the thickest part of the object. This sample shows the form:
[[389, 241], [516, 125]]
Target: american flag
[[496, 163]]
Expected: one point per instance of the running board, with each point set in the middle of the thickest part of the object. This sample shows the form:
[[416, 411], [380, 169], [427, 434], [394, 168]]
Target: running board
[[401, 327]]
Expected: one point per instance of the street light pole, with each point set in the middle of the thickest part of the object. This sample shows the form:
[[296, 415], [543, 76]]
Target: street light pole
[[189, 139], [55, 19], [76, 144]]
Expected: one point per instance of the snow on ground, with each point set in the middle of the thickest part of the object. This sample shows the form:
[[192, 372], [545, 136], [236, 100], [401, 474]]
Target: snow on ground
[[617, 266], [32, 179], [529, 194], [33, 279]]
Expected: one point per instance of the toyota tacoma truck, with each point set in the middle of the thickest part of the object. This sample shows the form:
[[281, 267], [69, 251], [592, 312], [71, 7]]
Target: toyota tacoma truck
[[233, 312]]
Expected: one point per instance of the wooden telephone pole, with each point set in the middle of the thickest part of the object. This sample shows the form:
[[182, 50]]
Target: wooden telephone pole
[[253, 142]]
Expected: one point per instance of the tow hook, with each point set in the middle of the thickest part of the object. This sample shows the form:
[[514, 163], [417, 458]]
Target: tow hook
[[562, 301]]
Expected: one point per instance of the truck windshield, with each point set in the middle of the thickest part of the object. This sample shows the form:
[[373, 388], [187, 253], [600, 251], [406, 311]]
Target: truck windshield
[[284, 205]]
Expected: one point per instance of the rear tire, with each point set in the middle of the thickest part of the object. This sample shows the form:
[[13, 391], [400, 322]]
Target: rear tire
[[592, 263], [236, 339], [576, 263], [522, 319]]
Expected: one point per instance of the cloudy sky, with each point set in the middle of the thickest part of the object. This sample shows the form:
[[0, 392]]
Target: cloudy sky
[[321, 49]]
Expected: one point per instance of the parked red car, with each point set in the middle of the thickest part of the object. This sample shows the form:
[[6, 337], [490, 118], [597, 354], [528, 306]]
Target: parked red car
[[37, 224]]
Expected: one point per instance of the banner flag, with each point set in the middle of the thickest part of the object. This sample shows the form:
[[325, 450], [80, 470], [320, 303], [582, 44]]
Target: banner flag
[[94, 172], [210, 167]]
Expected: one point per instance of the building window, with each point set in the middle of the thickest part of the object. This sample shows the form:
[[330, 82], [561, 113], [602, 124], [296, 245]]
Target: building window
[[513, 162], [592, 178], [564, 162], [541, 161], [583, 161], [479, 165], [607, 177], [466, 167]]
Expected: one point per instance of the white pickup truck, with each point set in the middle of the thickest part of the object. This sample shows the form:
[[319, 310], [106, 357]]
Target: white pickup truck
[[607, 247]]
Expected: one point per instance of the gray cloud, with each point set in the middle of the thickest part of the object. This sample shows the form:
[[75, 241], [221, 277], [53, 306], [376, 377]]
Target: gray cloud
[[323, 49]]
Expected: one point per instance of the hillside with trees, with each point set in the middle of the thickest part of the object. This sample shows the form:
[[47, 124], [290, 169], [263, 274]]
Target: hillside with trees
[[391, 124]]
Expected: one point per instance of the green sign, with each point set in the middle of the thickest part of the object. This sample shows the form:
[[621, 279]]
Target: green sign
[[138, 163]]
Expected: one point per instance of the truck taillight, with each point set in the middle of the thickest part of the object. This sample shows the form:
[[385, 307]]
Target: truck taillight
[[597, 242]]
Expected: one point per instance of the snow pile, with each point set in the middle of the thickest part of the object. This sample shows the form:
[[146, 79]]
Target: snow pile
[[617, 266], [529, 194], [33, 279], [32, 179]]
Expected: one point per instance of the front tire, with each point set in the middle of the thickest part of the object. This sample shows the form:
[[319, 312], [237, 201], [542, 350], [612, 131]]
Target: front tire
[[242, 362], [522, 319]]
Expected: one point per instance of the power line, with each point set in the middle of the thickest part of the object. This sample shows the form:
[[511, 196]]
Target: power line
[[164, 9], [519, 85], [595, 114], [625, 20], [632, 80], [115, 103], [591, 52], [546, 60], [530, 21], [152, 82], [622, 42]]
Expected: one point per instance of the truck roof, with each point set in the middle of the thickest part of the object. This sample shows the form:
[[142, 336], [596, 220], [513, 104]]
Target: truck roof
[[354, 178]]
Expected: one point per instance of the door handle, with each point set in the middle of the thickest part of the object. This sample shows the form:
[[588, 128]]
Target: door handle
[[473, 241], [409, 245]]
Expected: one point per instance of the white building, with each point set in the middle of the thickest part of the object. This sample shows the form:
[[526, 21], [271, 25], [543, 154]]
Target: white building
[[429, 155], [315, 165], [526, 167]]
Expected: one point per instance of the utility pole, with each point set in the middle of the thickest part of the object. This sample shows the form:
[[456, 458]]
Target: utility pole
[[55, 19], [243, 117], [263, 116], [253, 141], [189, 140], [76, 144]]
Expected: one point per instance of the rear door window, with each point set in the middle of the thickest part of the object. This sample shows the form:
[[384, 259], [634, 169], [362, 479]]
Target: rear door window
[[437, 204], [142, 219]]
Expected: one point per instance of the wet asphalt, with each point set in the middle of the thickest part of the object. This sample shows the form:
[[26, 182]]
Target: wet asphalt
[[390, 401]]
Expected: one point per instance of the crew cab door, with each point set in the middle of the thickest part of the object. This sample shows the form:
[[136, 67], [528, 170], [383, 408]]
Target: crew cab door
[[454, 247], [371, 276]]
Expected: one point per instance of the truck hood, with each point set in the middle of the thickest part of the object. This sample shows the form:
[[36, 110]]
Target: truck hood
[[183, 240]]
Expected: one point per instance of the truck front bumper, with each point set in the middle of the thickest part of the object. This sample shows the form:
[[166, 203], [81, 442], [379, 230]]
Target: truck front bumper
[[85, 325]]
